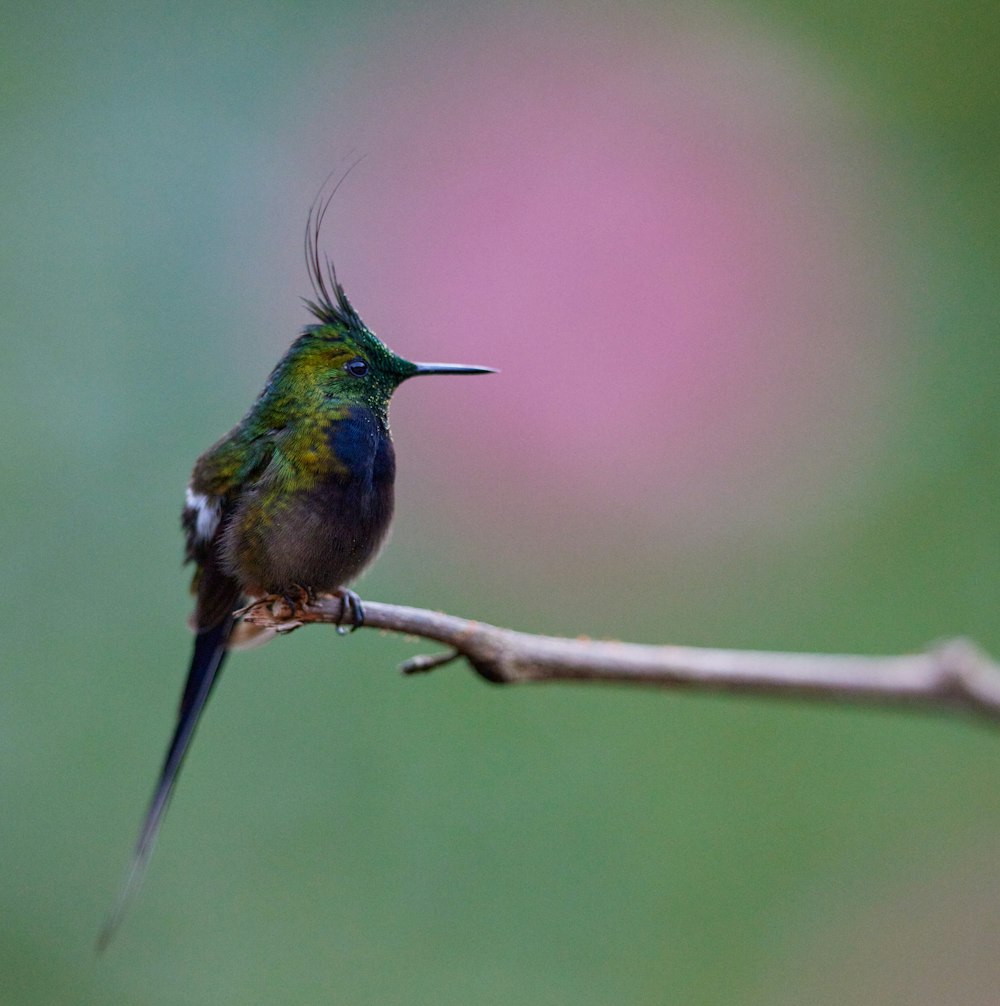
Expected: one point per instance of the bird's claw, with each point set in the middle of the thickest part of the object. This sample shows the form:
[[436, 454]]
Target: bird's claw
[[351, 610], [297, 597], [286, 606]]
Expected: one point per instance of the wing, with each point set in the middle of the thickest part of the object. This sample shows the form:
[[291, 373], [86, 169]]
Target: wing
[[220, 475]]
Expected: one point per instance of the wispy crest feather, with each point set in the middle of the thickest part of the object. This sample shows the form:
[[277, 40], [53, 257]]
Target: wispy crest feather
[[330, 305]]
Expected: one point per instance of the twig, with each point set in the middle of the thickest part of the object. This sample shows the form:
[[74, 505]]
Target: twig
[[951, 676]]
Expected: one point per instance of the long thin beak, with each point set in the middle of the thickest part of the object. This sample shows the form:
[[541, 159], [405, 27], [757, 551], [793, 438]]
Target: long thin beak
[[450, 368]]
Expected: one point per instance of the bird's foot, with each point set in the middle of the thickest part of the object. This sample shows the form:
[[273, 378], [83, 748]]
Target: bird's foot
[[285, 608], [351, 610], [297, 597]]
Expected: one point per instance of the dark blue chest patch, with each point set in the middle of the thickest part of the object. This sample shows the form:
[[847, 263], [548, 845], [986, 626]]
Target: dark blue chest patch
[[361, 444]]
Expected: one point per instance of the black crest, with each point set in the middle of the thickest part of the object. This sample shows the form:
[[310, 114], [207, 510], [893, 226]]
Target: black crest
[[331, 305]]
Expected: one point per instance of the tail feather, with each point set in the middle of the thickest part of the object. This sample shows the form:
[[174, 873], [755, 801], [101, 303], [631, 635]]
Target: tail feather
[[209, 654]]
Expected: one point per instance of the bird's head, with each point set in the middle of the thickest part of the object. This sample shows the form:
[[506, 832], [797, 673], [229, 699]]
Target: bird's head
[[339, 355]]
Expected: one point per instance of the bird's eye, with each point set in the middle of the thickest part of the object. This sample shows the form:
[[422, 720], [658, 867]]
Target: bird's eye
[[357, 367]]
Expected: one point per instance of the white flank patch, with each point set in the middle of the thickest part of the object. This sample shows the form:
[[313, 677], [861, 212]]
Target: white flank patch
[[207, 510]]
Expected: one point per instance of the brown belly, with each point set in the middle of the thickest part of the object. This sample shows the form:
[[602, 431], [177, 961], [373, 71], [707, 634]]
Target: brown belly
[[320, 539]]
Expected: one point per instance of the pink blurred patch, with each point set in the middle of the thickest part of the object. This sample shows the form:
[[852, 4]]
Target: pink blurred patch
[[657, 230]]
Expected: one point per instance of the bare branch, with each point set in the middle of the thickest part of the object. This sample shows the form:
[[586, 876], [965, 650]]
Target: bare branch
[[950, 676]]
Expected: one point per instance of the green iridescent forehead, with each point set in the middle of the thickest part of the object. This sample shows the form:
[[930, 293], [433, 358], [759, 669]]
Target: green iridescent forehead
[[334, 345]]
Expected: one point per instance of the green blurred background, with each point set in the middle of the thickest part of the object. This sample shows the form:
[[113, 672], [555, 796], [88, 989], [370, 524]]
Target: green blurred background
[[738, 265]]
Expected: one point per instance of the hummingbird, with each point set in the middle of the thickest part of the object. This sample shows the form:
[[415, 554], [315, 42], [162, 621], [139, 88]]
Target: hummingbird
[[295, 500]]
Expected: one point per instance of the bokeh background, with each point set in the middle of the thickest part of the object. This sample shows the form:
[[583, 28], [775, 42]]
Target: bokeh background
[[738, 265]]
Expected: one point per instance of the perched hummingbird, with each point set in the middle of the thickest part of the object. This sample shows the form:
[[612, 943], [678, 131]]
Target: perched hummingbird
[[297, 497]]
